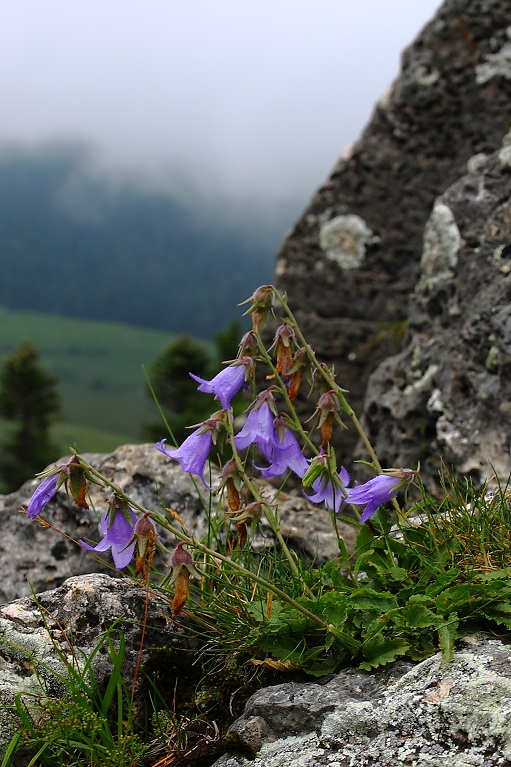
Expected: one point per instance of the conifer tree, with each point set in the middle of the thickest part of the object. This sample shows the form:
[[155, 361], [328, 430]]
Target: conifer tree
[[175, 392], [30, 402]]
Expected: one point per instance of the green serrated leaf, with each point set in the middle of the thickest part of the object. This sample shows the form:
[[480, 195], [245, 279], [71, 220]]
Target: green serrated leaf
[[397, 574], [369, 599], [380, 650], [500, 612], [447, 634], [418, 616], [504, 574], [332, 607]]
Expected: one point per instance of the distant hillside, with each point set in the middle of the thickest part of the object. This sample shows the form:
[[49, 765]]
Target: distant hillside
[[100, 375], [75, 244]]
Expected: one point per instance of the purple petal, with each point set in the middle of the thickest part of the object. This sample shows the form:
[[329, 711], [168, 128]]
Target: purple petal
[[224, 385], [116, 537], [43, 493], [286, 456], [123, 557], [193, 453], [258, 430], [374, 493]]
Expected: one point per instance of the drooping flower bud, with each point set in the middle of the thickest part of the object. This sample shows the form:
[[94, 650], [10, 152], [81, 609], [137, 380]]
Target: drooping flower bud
[[78, 483], [145, 542], [262, 300], [284, 344], [249, 346], [328, 409], [231, 480], [300, 365], [182, 566]]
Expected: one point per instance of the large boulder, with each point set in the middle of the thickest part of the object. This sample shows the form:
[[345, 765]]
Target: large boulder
[[448, 392], [433, 713], [351, 261], [38, 639]]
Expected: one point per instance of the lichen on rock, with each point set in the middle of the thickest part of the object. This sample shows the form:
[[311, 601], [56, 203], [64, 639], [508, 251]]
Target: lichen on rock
[[442, 242], [344, 239]]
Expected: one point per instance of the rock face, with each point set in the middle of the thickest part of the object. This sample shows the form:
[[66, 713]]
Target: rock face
[[81, 609], [44, 558], [352, 260], [449, 391], [433, 714]]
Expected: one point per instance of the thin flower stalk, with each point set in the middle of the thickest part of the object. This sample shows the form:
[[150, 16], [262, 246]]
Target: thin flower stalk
[[282, 388], [268, 511], [331, 383], [197, 545]]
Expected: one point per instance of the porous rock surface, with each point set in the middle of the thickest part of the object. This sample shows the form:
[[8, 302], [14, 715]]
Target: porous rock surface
[[352, 259], [427, 715], [33, 556], [448, 392], [65, 626]]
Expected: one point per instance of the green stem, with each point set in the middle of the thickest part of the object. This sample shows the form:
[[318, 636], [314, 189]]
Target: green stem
[[190, 541], [332, 384]]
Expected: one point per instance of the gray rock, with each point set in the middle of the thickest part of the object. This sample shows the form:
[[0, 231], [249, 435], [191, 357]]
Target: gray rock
[[38, 558], [71, 619], [448, 392], [432, 714], [352, 259]]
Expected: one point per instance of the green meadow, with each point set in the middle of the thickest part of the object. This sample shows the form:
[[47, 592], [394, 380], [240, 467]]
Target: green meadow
[[100, 372]]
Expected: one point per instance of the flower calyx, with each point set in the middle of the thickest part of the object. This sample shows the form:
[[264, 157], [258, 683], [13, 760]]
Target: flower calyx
[[182, 566], [262, 301]]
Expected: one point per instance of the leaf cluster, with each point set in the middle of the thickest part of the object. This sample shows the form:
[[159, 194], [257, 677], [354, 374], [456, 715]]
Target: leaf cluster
[[412, 590]]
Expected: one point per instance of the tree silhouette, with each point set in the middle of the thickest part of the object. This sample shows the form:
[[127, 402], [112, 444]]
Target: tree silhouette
[[175, 392], [30, 402]]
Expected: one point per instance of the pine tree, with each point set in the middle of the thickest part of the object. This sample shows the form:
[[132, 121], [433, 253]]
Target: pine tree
[[175, 392], [30, 402]]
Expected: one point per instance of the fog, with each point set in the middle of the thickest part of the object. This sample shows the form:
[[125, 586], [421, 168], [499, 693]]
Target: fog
[[242, 102]]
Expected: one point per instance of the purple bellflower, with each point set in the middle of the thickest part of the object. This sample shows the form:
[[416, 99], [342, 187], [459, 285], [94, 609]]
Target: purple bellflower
[[227, 382], [379, 490], [43, 493], [117, 536], [331, 493], [194, 451], [286, 454], [258, 428]]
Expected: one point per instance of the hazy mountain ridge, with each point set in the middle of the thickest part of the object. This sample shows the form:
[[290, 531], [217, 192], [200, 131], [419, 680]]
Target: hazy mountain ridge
[[72, 243]]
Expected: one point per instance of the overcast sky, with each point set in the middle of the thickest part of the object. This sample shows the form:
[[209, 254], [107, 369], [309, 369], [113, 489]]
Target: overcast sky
[[251, 97]]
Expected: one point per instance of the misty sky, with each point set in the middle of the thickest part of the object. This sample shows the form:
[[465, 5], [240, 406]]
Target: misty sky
[[250, 98]]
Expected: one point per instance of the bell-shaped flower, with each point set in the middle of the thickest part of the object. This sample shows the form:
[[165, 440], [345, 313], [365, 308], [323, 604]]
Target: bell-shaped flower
[[331, 490], [53, 478], [43, 493], [117, 526], [379, 490], [194, 451], [286, 454], [227, 382], [258, 428]]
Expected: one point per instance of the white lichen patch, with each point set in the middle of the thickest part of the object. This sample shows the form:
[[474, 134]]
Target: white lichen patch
[[344, 239], [495, 64], [441, 245], [426, 75], [476, 162], [505, 156], [423, 382]]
